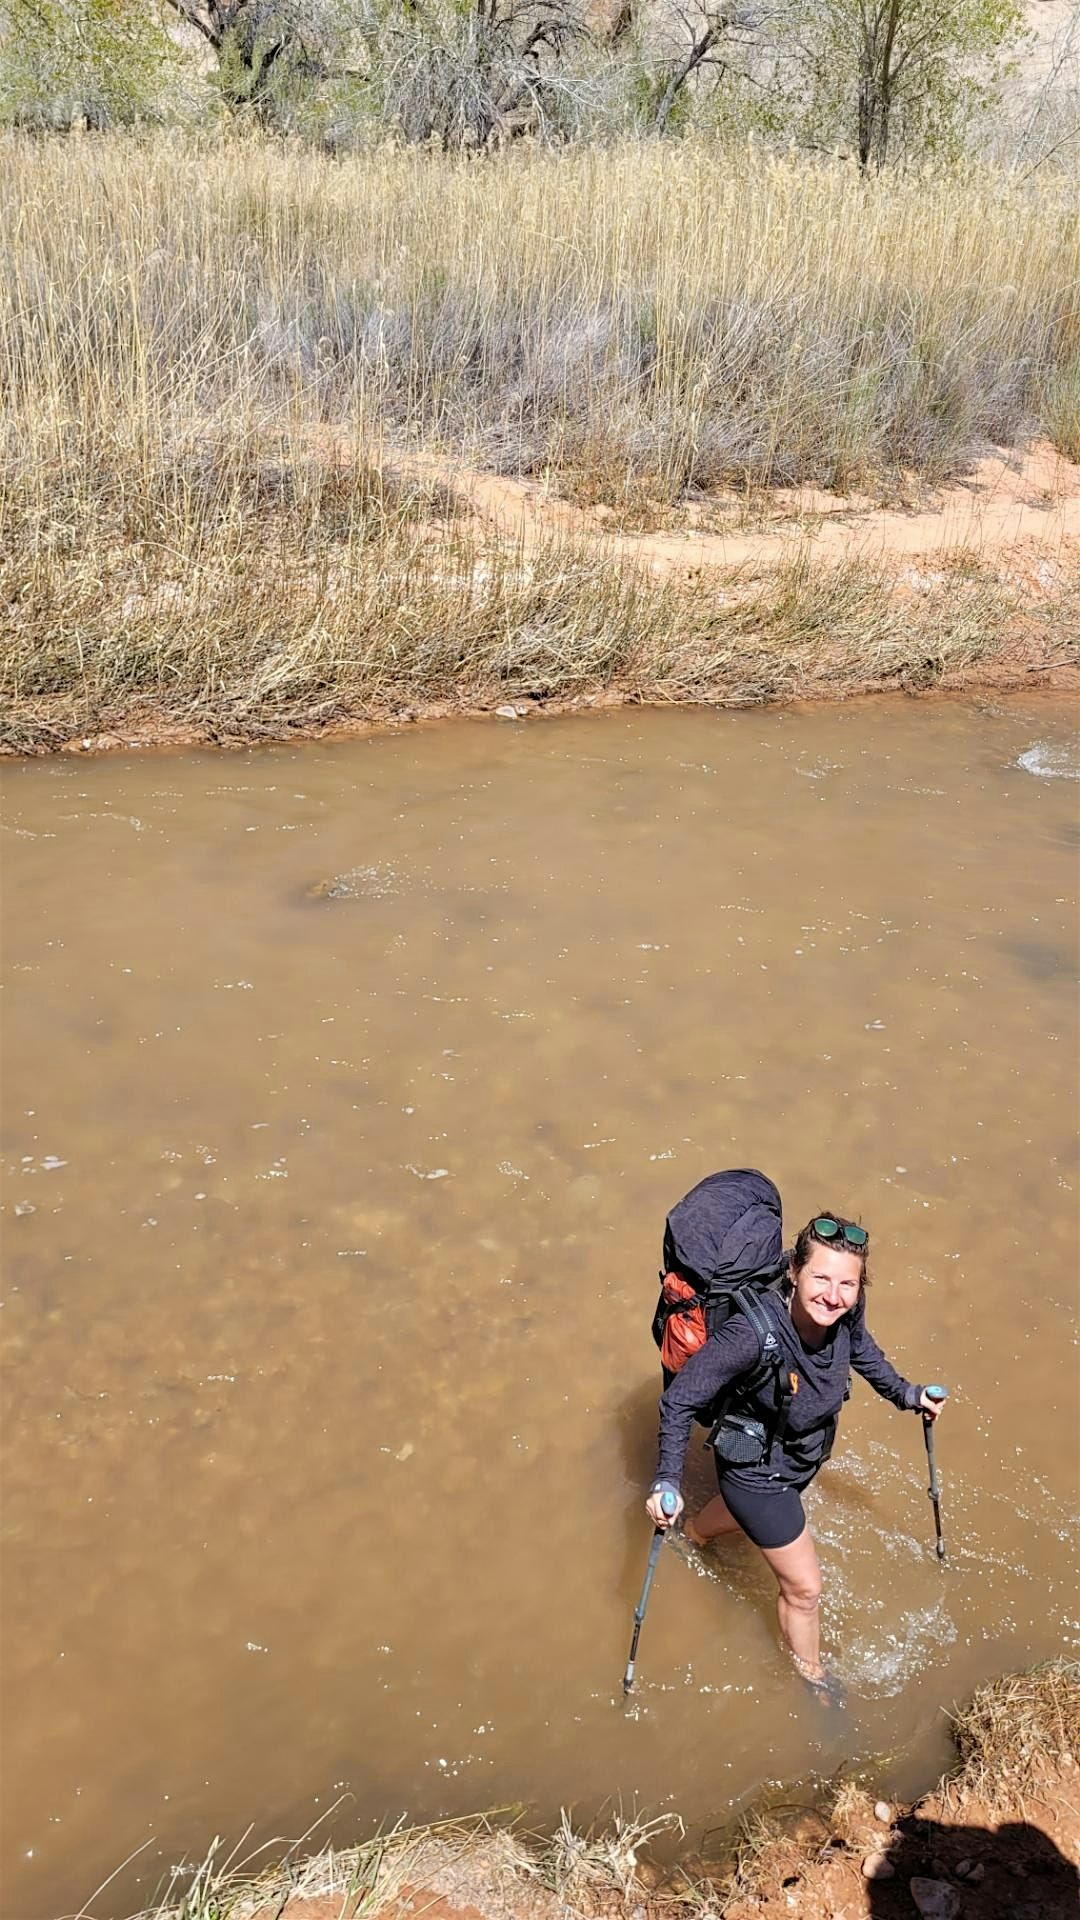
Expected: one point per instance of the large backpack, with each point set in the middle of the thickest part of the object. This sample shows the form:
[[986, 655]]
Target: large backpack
[[723, 1248]]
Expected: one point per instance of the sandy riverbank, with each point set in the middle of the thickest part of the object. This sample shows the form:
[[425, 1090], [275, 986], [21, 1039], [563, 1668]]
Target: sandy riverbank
[[477, 594]]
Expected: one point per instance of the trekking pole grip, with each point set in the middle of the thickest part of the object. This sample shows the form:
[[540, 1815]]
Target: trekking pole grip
[[938, 1395]]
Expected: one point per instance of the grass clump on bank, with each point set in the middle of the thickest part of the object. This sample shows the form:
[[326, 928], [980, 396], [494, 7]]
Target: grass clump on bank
[[487, 1861], [1013, 1728]]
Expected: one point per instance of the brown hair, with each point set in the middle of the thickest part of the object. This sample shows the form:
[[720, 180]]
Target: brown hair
[[809, 1238]]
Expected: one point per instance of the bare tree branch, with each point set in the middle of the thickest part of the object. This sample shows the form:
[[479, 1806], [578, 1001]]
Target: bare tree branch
[[707, 29]]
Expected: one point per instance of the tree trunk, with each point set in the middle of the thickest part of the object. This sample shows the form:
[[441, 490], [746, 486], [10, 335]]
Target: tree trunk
[[885, 87], [698, 52], [877, 70]]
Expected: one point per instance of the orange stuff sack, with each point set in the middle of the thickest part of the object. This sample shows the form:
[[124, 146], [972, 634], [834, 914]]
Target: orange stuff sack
[[684, 1328]]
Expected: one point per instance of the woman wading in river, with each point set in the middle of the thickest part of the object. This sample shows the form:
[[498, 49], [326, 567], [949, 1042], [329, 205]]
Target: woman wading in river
[[781, 1401]]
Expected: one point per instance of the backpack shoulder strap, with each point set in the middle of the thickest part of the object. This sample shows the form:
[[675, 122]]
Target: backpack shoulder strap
[[749, 1304], [770, 1366]]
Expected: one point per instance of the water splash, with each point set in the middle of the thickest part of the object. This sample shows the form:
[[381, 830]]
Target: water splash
[[377, 882], [882, 1667], [1048, 762]]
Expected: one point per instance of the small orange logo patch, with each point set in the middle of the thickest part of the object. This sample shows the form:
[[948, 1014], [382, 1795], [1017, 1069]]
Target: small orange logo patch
[[794, 1378]]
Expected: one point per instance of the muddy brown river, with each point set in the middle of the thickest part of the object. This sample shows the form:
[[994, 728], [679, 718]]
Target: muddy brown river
[[346, 1087]]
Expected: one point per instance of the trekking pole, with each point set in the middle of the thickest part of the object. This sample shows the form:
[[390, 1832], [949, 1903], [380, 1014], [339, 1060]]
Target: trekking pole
[[938, 1394], [669, 1502]]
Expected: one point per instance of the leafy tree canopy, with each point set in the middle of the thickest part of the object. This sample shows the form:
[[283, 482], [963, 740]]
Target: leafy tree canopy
[[105, 61]]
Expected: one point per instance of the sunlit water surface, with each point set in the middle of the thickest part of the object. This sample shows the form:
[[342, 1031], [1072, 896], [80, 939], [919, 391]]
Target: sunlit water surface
[[346, 1087]]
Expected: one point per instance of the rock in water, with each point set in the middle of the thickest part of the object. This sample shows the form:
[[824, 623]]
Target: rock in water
[[935, 1899], [506, 713]]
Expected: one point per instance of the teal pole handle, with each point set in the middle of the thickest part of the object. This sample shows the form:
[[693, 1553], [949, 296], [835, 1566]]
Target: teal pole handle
[[937, 1393], [669, 1501]]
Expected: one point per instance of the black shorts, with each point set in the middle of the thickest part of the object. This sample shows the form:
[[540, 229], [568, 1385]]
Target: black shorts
[[769, 1516]]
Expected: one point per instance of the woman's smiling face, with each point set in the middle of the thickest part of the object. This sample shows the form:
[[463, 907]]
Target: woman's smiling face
[[827, 1286]]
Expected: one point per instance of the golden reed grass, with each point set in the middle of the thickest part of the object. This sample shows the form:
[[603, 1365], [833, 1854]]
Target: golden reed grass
[[184, 325]]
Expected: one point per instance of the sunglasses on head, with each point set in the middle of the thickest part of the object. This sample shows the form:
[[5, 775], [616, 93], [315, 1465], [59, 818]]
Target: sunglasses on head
[[826, 1229]]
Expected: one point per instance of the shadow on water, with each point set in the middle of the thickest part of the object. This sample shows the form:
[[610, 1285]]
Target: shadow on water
[[638, 1421], [1015, 1869], [637, 1424], [730, 1562], [1038, 961]]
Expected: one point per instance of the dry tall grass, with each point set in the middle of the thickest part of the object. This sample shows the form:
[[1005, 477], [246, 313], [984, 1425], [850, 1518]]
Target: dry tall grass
[[186, 330], [694, 314]]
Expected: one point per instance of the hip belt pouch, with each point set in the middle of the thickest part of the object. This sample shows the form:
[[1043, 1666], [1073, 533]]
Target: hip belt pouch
[[738, 1441]]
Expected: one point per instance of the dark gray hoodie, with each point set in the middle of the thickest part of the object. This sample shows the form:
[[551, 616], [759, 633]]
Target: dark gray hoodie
[[822, 1373]]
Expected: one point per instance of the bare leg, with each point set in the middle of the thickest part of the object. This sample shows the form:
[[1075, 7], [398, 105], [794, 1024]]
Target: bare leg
[[799, 1578], [713, 1520]]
